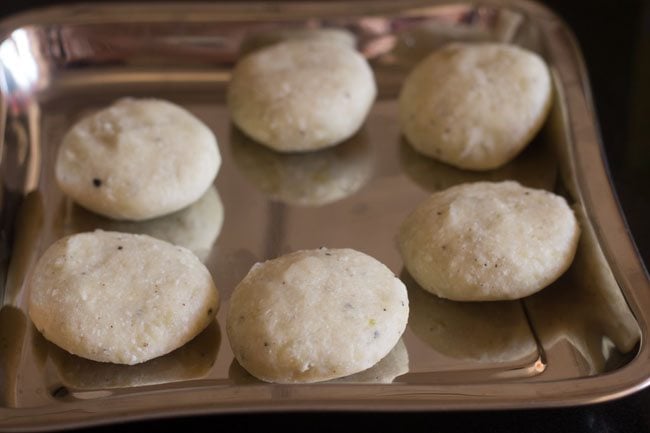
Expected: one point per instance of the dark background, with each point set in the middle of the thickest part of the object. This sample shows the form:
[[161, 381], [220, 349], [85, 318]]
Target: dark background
[[615, 40]]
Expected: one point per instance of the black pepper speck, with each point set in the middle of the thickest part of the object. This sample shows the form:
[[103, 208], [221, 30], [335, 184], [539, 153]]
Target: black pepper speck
[[97, 182]]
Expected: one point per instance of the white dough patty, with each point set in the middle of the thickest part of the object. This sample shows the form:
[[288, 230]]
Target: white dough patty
[[316, 315], [121, 298], [489, 241], [301, 95], [137, 159], [475, 106]]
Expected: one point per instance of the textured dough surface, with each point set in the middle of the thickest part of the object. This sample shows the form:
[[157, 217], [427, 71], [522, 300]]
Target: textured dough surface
[[137, 159], [316, 315], [121, 298], [489, 241], [305, 179], [195, 227], [475, 106], [304, 95]]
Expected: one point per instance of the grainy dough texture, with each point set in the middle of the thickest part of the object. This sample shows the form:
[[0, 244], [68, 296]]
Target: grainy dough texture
[[121, 298], [489, 241], [475, 106], [137, 159], [316, 315], [302, 95]]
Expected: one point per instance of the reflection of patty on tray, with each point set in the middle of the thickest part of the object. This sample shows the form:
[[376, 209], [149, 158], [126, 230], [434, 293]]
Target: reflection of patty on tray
[[395, 364], [305, 179], [485, 332], [586, 307], [535, 167], [195, 227], [193, 360]]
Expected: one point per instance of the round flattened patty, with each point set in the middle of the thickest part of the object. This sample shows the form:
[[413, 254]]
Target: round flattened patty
[[475, 106], [489, 241], [137, 159], [316, 315], [301, 95], [121, 298]]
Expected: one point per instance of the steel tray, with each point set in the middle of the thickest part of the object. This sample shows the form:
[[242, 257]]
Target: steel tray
[[582, 340]]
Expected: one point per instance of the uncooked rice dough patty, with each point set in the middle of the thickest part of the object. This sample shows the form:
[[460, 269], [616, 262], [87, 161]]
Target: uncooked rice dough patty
[[301, 95], [475, 106], [121, 298], [137, 159], [489, 241], [316, 315]]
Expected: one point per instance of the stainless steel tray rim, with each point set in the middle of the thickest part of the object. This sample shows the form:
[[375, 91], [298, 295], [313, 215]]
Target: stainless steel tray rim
[[201, 400]]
